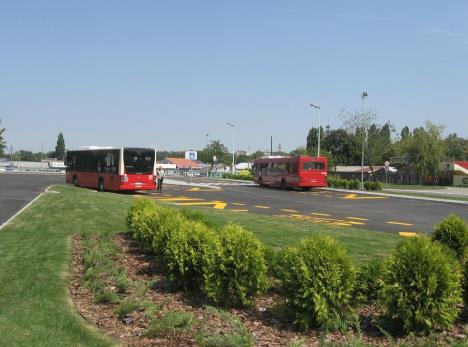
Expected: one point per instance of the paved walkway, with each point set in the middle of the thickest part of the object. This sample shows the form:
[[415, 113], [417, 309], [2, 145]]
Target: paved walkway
[[449, 191]]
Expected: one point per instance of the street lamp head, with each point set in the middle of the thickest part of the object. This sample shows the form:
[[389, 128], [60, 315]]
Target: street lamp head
[[230, 124], [364, 95], [316, 106]]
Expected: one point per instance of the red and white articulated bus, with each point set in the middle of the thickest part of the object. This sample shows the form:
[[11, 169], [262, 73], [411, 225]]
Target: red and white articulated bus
[[112, 169], [291, 172]]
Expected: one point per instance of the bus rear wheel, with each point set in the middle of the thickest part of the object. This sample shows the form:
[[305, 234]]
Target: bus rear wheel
[[75, 181], [101, 185], [260, 182]]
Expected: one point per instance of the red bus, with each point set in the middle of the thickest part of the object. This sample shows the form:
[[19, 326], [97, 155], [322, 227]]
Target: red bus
[[112, 169], [291, 172]]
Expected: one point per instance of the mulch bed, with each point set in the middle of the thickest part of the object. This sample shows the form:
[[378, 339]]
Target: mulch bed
[[261, 320]]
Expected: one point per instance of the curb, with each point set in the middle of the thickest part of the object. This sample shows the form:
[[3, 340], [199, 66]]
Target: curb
[[456, 202], [181, 183]]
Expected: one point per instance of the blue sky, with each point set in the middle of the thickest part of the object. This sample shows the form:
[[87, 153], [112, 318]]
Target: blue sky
[[165, 74]]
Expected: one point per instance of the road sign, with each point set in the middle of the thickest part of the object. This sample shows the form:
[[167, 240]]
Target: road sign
[[192, 155]]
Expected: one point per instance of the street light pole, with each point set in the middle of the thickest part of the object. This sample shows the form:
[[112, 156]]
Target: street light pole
[[363, 96], [232, 126], [318, 141]]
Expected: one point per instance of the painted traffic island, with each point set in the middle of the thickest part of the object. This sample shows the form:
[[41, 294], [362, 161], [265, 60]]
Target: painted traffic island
[[127, 297]]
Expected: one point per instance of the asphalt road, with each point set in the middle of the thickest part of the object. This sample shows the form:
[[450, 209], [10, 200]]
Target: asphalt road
[[318, 206], [17, 190]]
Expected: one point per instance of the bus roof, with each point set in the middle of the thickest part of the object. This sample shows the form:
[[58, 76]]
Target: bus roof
[[97, 148]]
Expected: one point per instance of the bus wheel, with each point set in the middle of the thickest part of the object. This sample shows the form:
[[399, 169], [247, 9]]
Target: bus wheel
[[306, 188], [283, 185], [75, 181], [101, 185], [260, 182]]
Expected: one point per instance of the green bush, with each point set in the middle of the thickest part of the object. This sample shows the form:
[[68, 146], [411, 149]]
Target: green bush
[[452, 232], [238, 271], [369, 282], [374, 185], [317, 278], [464, 267], [189, 250], [421, 285], [142, 220], [354, 184]]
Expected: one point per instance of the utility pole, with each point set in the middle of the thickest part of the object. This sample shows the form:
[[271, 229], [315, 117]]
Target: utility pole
[[363, 96], [233, 158], [271, 145], [319, 126]]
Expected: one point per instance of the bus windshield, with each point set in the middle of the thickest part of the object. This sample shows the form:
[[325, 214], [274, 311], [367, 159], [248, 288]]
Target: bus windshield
[[312, 165], [138, 161]]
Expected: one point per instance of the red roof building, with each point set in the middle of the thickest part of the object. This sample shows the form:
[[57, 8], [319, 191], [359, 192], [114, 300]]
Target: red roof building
[[182, 164]]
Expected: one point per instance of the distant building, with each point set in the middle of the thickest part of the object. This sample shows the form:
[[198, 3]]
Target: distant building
[[183, 166], [454, 173], [354, 172]]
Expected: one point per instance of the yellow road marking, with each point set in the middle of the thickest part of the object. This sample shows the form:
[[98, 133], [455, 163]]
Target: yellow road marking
[[357, 218], [286, 210], [321, 214], [178, 199], [238, 204], [356, 197], [197, 189], [407, 234], [260, 206], [216, 204], [399, 223], [238, 210]]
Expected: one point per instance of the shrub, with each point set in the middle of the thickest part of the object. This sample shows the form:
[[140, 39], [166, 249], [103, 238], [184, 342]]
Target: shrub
[[369, 282], [238, 270], [452, 232], [464, 268], [421, 285], [126, 307], [142, 219], [317, 278], [354, 184], [188, 252]]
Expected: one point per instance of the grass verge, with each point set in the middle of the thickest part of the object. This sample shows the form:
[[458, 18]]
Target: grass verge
[[35, 258]]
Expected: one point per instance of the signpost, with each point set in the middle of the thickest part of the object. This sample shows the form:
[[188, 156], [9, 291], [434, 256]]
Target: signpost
[[386, 167], [192, 155]]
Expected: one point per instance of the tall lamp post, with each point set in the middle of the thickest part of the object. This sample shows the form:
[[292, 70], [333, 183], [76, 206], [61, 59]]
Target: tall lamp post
[[232, 126], [318, 140], [363, 96]]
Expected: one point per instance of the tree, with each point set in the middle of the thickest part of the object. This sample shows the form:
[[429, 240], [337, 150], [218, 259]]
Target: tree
[[2, 141], [312, 140], [301, 150], [343, 146], [215, 150], [456, 148], [60, 147], [257, 154], [405, 132]]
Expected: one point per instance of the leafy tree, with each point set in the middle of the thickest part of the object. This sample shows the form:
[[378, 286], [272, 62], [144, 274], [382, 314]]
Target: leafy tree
[[405, 132], [2, 141], [379, 144], [170, 154], [301, 150], [312, 139], [257, 154], [60, 147], [343, 146], [456, 148], [215, 150]]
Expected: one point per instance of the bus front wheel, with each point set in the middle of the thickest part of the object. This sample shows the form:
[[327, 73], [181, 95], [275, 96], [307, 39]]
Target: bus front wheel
[[75, 181], [260, 182], [284, 186], [101, 185]]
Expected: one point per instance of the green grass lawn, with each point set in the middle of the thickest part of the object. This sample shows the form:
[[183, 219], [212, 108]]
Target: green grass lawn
[[35, 257], [432, 196], [411, 187]]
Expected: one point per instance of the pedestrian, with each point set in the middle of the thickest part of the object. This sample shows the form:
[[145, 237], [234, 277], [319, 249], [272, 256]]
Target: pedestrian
[[158, 179], [161, 176]]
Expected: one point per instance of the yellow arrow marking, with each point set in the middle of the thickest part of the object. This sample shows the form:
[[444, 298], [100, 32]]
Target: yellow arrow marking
[[196, 189], [216, 204], [356, 197], [400, 223], [407, 234], [321, 214]]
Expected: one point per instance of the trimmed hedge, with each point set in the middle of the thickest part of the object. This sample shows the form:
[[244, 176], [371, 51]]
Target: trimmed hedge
[[421, 285], [227, 266], [317, 278], [336, 182], [452, 232]]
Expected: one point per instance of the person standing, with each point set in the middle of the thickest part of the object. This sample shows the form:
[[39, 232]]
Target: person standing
[[161, 176]]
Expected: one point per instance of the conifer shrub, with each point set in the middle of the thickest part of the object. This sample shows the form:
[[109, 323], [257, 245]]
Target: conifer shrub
[[317, 278], [189, 250], [464, 269], [421, 285], [452, 232], [369, 282], [238, 271]]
